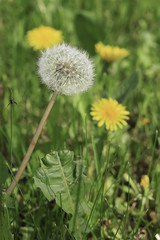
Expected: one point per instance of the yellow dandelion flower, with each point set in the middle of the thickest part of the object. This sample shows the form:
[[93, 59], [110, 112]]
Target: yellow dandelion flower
[[43, 37], [110, 113], [144, 181], [110, 53]]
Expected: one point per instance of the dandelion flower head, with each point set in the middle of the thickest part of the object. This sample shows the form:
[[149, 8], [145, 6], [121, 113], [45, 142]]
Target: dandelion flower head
[[66, 69], [110, 53], [44, 37], [110, 113], [144, 181]]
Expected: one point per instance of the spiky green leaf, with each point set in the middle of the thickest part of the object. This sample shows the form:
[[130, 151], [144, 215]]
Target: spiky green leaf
[[62, 179]]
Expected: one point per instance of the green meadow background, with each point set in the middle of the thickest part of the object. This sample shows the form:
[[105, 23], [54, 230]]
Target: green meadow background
[[113, 162]]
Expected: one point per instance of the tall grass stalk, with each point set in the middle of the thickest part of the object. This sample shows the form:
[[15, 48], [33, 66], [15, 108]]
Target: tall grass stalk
[[86, 144], [78, 194], [98, 195], [11, 133], [153, 152], [32, 144], [96, 158]]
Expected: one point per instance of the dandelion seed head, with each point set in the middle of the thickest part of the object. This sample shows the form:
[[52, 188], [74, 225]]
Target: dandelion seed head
[[157, 236], [66, 69]]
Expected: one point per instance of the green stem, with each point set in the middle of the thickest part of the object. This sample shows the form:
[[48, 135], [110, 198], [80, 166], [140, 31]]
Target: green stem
[[11, 134], [96, 158]]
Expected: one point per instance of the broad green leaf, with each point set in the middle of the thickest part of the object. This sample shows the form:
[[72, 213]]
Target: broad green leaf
[[55, 175], [126, 87], [62, 179], [89, 30], [7, 201]]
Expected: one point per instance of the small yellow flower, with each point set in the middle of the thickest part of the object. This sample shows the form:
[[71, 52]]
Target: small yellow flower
[[110, 113], [43, 37], [110, 53], [145, 121], [144, 181]]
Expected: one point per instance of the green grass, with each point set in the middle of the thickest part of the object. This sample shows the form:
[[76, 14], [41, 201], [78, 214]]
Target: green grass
[[113, 162]]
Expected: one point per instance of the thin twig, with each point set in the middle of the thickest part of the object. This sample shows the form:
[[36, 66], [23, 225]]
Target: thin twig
[[32, 144]]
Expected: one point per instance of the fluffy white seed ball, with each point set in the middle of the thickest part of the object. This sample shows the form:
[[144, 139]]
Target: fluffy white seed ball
[[66, 69]]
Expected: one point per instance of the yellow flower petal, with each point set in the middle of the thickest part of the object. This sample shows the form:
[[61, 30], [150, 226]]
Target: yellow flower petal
[[110, 53], [43, 37], [144, 181], [110, 113]]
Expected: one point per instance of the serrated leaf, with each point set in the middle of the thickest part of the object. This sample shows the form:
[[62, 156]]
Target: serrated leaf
[[54, 178], [60, 178], [89, 30], [126, 87]]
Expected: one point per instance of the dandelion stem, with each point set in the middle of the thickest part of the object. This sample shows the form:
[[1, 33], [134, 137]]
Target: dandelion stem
[[32, 145]]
